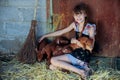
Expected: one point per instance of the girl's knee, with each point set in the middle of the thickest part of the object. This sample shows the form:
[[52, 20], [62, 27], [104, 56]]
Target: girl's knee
[[57, 59], [53, 60], [52, 67]]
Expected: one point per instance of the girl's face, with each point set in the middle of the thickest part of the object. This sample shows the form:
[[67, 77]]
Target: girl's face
[[79, 18]]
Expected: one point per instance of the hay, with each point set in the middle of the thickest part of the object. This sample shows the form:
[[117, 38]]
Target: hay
[[14, 70], [106, 74], [37, 71]]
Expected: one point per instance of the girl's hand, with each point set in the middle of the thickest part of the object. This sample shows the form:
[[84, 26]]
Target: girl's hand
[[41, 39], [73, 40]]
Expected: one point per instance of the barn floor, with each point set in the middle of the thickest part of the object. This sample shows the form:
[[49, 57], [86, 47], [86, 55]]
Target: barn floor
[[11, 69]]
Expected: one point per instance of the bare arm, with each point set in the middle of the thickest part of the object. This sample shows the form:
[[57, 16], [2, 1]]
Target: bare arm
[[75, 41], [92, 36], [58, 33]]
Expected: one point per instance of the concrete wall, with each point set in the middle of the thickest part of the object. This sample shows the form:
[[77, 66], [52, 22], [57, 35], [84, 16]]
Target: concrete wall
[[15, 22]]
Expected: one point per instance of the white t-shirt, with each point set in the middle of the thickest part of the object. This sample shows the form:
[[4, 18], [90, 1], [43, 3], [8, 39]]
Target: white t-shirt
[[87, 29]]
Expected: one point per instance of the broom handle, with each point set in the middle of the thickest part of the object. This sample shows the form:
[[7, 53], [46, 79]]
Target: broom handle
[[35, 10]]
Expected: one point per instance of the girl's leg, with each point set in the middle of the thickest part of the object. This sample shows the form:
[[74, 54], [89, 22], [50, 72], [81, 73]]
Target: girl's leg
[[52, 67], [63, 62]]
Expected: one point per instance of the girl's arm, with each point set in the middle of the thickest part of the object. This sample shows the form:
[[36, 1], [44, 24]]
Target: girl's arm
[[58, 33], [77, 42], [92, 36]]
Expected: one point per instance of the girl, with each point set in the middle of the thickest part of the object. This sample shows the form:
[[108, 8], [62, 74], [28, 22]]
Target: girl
[[78, 59]]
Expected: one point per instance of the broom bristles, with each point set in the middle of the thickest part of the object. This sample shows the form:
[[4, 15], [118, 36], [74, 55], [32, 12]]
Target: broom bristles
[[27, 53]]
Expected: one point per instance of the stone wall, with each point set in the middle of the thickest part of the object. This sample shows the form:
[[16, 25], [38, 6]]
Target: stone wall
[[15, 22]]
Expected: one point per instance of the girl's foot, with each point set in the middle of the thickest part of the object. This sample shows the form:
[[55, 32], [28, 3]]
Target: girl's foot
[[89, 72], [83, 75], [86, 73]]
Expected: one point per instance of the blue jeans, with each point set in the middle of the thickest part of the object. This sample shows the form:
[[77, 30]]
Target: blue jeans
[[75, 62]]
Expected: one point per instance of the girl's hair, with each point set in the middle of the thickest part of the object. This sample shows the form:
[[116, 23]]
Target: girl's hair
[[80, 8]]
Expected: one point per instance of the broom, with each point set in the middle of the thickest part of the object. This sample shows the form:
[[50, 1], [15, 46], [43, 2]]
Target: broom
[[27, 53]]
